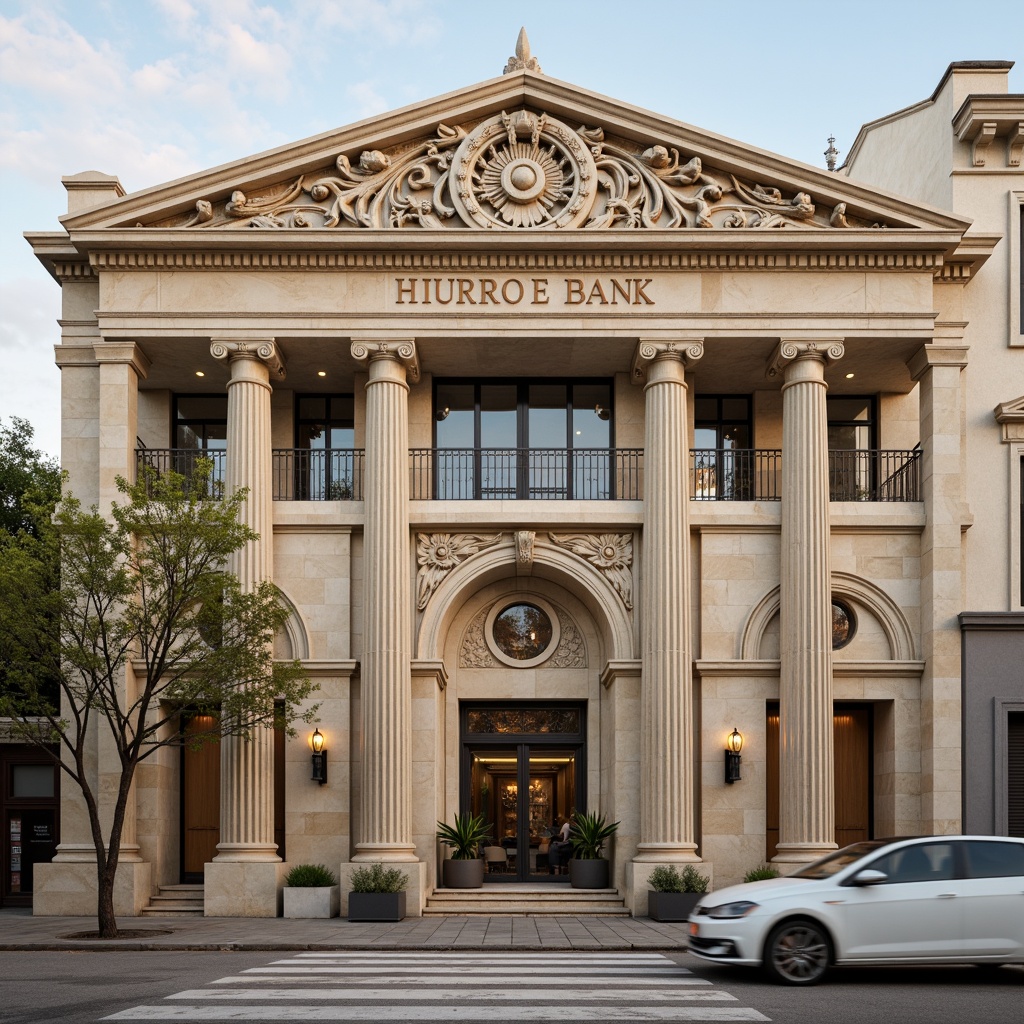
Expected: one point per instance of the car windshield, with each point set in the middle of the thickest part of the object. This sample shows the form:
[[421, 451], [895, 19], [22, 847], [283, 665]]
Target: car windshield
[[835, 862]]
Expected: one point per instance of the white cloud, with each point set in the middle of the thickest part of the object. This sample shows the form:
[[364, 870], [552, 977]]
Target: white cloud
[[364, 101]]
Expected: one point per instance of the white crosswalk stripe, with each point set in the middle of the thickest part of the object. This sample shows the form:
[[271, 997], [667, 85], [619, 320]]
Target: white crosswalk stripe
[[441, 986]]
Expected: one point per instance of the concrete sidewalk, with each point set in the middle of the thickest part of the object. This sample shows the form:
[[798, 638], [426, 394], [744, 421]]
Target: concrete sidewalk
[[19, 930]]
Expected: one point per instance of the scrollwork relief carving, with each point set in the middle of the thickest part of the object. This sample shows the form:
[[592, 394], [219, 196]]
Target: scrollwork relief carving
[[610, 553], [439, 553], [520, 169], [570, 653]]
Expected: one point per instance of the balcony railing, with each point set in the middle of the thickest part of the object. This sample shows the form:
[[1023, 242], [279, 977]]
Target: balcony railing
[[318, 474], [735, 474], [583, 474]]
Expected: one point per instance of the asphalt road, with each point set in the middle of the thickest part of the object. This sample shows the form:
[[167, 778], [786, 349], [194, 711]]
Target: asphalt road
[[80, 987]]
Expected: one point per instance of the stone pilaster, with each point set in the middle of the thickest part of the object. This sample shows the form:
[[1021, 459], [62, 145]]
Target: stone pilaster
[[244, 878], [806, 787], [386, 695], [667, 830], [938, 368]]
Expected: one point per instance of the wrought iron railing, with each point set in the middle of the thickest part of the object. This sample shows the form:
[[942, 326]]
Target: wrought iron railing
[[161, 461], [588, 474], [474, 474], [864, 475], [318, 474], [735, 474]]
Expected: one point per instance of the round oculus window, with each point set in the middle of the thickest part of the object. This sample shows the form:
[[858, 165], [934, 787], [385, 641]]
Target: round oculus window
[[844, 624], [523, 632]]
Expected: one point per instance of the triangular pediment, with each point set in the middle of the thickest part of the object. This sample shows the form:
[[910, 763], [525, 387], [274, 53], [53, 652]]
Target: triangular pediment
[[520, 152]]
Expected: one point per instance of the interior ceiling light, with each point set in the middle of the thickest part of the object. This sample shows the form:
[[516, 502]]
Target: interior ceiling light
[[849, 376], [199, 373], [321, 373]]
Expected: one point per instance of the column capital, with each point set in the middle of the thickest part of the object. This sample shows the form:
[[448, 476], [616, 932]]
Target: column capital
[[936, 355], [400, 350], [649, 350], [788, 352], [126, 352], [263, 349]]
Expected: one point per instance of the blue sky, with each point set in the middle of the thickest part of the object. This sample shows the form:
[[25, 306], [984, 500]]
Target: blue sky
[[151, 90]]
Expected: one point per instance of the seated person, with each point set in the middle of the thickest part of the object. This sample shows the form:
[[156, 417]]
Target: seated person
[[560, 851]]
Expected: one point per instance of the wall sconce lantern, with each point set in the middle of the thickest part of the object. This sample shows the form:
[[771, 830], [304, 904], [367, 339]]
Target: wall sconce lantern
[[733, 746], [319, 757]]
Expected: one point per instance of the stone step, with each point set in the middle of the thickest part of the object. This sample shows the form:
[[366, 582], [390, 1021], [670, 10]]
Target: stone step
[[526, 901], [176, 901]]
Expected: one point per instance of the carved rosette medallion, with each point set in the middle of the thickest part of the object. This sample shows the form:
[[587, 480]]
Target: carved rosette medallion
[[523, 170], [610, 553], [439, 553]]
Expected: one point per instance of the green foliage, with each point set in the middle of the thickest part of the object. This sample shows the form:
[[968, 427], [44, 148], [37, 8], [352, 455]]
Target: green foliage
[[465, 836], [669, 879], [90, 600], [377, 878], [29, 480], [760, 873], [588, 834], [309, 876]]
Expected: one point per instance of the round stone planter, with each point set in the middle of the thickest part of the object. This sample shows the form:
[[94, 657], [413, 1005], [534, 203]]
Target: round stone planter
[[462, 874], [671, 906], [589, 874]]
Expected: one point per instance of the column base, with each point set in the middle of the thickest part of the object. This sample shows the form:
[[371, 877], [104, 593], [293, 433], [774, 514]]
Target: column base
[[791, 857], [247, 853], [68, 888], [239, 888], [638, 873], [666, 853], [415, 892]]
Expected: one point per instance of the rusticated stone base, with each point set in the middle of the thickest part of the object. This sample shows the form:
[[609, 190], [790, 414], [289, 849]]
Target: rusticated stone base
[[243, 889]]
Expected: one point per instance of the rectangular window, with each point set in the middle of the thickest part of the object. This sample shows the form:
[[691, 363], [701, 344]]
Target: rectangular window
[[325, 466], [1015, 773], [723, 458]]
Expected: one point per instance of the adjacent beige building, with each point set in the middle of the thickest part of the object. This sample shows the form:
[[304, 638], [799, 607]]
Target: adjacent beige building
[[577, 438]]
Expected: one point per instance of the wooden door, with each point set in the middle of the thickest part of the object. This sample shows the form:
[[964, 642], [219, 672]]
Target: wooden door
[[851, 739], [200, 800]]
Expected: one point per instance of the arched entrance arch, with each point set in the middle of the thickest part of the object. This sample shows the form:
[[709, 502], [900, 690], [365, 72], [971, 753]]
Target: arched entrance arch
[[523, 737]]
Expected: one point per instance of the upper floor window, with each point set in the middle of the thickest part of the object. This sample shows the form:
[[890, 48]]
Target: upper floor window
[[721, 421], [201, 422], [851, 422], [324, 421]]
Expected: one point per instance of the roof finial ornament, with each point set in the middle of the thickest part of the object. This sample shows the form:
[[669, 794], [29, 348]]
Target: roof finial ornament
[[831, 153], [522, 61]]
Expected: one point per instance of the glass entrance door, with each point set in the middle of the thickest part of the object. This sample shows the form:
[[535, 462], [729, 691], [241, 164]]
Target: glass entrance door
[[525, 793]]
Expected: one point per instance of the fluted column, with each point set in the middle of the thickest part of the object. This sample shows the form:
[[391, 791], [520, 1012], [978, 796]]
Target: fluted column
[[247, 765], [385, 676], [666, 699], [806, 787]]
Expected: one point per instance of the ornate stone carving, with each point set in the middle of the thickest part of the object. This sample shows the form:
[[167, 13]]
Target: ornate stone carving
[[689, 352], [265, 350], [610, 553], [787, 351], [570, 653], [439, 553], [404, 351], [524, 549], [522, 61], [515, 170]]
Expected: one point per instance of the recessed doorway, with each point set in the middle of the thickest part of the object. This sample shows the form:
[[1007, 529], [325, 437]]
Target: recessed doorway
[[523, 769]]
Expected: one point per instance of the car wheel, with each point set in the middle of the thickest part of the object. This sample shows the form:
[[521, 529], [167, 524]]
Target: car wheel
[[797, 953]]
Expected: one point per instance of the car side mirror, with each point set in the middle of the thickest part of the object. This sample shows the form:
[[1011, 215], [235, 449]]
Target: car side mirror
[[869, 876]]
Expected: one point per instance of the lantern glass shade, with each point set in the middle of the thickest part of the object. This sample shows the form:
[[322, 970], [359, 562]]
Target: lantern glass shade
[[735, 741], [317, 741]]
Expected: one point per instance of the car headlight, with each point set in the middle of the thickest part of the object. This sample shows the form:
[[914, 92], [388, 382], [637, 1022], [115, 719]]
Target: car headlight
[[738, 909]]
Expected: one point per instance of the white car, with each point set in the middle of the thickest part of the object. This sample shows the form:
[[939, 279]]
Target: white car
[[930, 900]]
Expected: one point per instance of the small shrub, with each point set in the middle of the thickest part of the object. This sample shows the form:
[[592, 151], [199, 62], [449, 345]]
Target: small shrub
[[670, 879], [760, 873], [377, 878], [309, 876]]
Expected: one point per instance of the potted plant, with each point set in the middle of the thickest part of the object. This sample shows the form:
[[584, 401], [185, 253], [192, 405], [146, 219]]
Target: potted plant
[[673, 893], [588, 833], [465, 869], [310, 890], [377, 894]]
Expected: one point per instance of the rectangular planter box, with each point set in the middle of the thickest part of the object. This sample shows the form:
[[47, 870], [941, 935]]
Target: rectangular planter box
[[314, 901], [376, 906], [671, 906]]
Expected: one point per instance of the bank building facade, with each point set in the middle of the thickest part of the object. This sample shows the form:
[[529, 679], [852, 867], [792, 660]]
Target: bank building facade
[[580, 443]]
